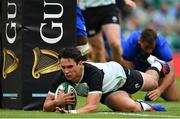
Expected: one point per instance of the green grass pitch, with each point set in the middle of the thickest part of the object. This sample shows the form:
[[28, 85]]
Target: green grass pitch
[[173, 111]]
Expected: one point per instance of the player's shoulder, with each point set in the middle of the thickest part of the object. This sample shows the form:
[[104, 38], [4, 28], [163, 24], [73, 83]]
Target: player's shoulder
[[134, 37], [90, 65], [94, 66], [91, 68], [161, 39], [136, 33]]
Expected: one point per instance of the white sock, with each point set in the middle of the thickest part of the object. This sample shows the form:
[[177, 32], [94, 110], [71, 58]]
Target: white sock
[[145, 106], [157, 65], [83, 49], [151, 59]]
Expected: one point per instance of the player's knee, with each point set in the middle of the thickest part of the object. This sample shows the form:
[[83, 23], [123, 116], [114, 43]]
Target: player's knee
[[128, 107], [152, 85], [116, 49], [155, 84], [131, 108], [115, 45]]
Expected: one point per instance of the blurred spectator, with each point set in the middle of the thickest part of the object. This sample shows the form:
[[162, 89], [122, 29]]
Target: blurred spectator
[[161, 15]]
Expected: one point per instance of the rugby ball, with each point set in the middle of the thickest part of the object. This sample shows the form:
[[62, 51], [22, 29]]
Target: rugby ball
[[67, 87]]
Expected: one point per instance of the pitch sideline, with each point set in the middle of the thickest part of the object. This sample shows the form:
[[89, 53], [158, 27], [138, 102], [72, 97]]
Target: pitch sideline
[[143, 115]]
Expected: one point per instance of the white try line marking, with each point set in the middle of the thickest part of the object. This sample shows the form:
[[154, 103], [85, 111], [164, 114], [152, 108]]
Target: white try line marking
[[143, 115]]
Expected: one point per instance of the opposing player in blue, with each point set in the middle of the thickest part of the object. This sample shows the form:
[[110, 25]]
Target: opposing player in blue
[[109, 83], [81, 35], [138, 47]]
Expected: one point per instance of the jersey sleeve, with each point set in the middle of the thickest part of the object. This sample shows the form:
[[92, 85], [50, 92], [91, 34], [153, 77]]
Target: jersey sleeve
[[130, 46], [163, 50], [94, 78], [96, 83]]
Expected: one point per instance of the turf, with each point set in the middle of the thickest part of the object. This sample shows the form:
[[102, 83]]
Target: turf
[[173, 111]]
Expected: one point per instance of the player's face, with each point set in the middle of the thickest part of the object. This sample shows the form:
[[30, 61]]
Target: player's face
[[147, 47], [71, 69]]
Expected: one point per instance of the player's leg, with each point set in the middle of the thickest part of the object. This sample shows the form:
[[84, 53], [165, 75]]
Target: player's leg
[[121, 101], [145, 81], [92, 19], [171, 93], [150, 80], [98, 48], [112, 32], [164, 68], [82, 45], [81, 35], [152, 75], [111, 29]]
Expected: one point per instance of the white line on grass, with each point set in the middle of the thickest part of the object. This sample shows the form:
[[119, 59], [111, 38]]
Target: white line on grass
[[88, 118], [143, 115]]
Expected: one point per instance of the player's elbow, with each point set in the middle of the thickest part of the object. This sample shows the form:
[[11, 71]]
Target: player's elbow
[[93, 108], [46, 108]]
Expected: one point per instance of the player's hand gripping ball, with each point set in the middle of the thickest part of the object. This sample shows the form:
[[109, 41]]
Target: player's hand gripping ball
[[67, 87]]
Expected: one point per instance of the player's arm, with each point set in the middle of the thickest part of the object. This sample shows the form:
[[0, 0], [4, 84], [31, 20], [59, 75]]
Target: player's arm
[[92, 103], [127, 63], [165, 53], [168, 78], [51, 103], [95, 84], [166, 81], [130, 50]]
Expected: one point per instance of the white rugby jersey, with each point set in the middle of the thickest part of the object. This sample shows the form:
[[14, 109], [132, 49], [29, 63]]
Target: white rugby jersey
[[114, 75], [94, 3]]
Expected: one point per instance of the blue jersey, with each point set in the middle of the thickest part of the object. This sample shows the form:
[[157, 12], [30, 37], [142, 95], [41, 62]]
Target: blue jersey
[[80, 24], [133, 52]]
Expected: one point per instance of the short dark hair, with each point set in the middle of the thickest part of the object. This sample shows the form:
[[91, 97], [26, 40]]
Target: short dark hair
[[148, 35], [70, 52]]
